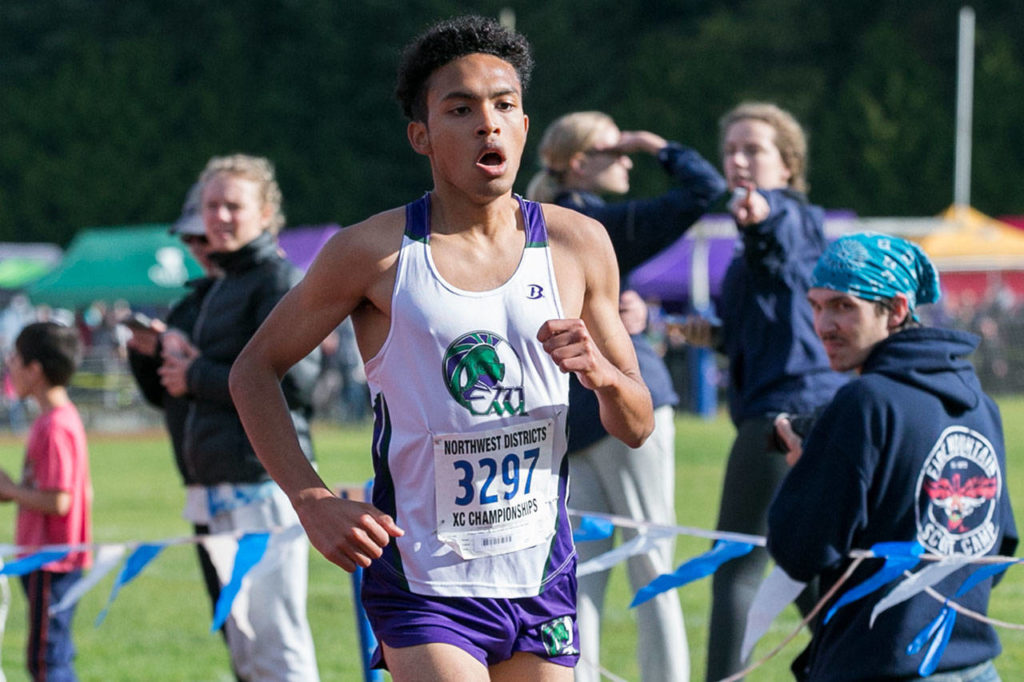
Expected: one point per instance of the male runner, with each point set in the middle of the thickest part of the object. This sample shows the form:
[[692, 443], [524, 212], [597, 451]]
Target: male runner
[[470, 306]]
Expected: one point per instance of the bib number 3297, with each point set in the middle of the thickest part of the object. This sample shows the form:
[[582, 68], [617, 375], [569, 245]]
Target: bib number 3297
[[494, 489]]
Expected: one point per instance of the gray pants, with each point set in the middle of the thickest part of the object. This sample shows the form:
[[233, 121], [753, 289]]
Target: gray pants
[[612, 478], [274, 643], [753, 472]]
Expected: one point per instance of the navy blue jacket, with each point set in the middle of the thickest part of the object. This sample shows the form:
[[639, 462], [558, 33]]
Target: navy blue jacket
[[640, 228], [776, 361], [913, 449]]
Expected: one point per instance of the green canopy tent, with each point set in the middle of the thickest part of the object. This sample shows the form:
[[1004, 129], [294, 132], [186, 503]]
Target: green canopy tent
[[143, 265]]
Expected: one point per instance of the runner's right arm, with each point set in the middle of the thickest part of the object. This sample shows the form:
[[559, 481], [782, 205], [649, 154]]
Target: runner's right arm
[[353, 274]]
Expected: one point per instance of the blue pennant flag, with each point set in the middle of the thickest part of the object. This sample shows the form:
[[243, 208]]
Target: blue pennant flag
[[593, 528], [940, 629], [989, 571], [694, 569], [251, 548], [33, 562], [133, 565], [899, 557]]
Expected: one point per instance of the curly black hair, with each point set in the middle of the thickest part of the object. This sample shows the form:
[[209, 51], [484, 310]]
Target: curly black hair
[[447, 41]]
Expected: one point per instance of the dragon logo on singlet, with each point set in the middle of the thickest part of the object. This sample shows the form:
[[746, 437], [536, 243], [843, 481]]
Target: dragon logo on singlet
[[484, 374], [958, 494]]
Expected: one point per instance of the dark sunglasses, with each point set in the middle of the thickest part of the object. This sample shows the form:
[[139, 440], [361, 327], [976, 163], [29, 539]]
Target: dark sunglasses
[[194, 239]]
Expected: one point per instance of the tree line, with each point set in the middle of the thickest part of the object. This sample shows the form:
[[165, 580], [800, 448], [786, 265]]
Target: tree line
[[108, 109]]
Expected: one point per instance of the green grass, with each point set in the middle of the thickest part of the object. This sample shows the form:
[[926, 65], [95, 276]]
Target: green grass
[[158, 628]]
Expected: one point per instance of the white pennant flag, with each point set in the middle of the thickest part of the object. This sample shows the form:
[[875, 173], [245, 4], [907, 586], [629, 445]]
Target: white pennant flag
[[221, 549], [642, 543], [918, 582], [107, 557], [776, 592]]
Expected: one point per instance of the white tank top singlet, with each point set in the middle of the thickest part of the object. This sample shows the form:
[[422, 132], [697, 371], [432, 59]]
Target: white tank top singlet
[[469, 426]]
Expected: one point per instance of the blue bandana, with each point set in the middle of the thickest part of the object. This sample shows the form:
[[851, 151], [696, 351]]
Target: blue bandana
[[876, 266]]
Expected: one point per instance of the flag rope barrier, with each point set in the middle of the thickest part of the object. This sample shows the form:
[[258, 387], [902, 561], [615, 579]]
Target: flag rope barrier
[[931, 592], [627, 522], [803, 623], [857, 556]]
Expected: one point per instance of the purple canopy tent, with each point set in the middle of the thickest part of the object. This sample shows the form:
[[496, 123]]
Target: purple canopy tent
[[301, 244], [667, 277]]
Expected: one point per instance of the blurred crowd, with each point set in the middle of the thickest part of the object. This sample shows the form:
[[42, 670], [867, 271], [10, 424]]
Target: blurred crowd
[[997, 316], [104, 380], [341, 395]]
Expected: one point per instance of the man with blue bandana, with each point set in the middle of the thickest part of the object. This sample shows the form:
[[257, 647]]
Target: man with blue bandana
[[910, 451]]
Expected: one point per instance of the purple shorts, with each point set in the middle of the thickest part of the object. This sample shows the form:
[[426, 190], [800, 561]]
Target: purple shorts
[[490, 630]]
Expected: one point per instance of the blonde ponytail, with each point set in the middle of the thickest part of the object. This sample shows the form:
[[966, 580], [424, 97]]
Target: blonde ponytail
[[564, 138]]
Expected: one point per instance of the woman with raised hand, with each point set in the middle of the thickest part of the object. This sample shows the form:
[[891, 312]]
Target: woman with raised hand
[[776, 361], [586, 157]]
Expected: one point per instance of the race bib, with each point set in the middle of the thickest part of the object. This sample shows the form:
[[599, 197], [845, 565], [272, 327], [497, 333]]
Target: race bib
[[495, 489]]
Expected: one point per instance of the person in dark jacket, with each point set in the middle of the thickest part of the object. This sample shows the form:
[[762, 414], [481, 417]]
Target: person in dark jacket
[[776, 363], [144, 359], [585, 155], [911, 450], [268, 632]]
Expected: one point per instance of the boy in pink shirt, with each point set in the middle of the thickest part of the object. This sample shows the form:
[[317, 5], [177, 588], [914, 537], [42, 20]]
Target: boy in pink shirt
[[55, 494]]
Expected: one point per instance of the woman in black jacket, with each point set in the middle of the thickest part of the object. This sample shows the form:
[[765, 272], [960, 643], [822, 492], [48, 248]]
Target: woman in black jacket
[[241, 209]]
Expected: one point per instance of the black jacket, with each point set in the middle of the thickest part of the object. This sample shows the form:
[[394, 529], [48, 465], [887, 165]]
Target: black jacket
[[182, 316], [216, 449]]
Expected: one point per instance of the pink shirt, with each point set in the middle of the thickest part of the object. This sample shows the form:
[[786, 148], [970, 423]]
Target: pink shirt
[[56, 458]]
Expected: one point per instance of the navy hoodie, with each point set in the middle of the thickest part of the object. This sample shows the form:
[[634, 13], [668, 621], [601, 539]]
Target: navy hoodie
[[913, 449]]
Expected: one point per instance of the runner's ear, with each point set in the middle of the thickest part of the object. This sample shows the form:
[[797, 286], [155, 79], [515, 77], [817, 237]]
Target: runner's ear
[[419, 137]]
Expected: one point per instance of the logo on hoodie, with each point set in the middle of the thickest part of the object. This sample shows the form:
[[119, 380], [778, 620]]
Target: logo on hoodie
[[958, 494]]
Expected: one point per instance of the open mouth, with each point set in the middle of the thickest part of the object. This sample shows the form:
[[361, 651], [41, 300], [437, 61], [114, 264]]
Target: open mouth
[[491, 158]]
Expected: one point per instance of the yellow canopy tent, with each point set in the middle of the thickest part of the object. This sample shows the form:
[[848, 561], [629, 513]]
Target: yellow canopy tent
[[967, 239], [974, 251]]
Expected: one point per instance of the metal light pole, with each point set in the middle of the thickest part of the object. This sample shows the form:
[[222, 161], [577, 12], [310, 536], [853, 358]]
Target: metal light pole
[[964, 104]]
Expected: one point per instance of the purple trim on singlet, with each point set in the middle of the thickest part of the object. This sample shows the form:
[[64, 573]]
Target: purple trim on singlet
[[560, 555], [417, 221], [383, 496], [561, 543], [533, 219]]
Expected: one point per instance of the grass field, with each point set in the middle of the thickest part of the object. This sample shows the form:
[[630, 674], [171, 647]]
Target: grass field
[[158, 628]]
